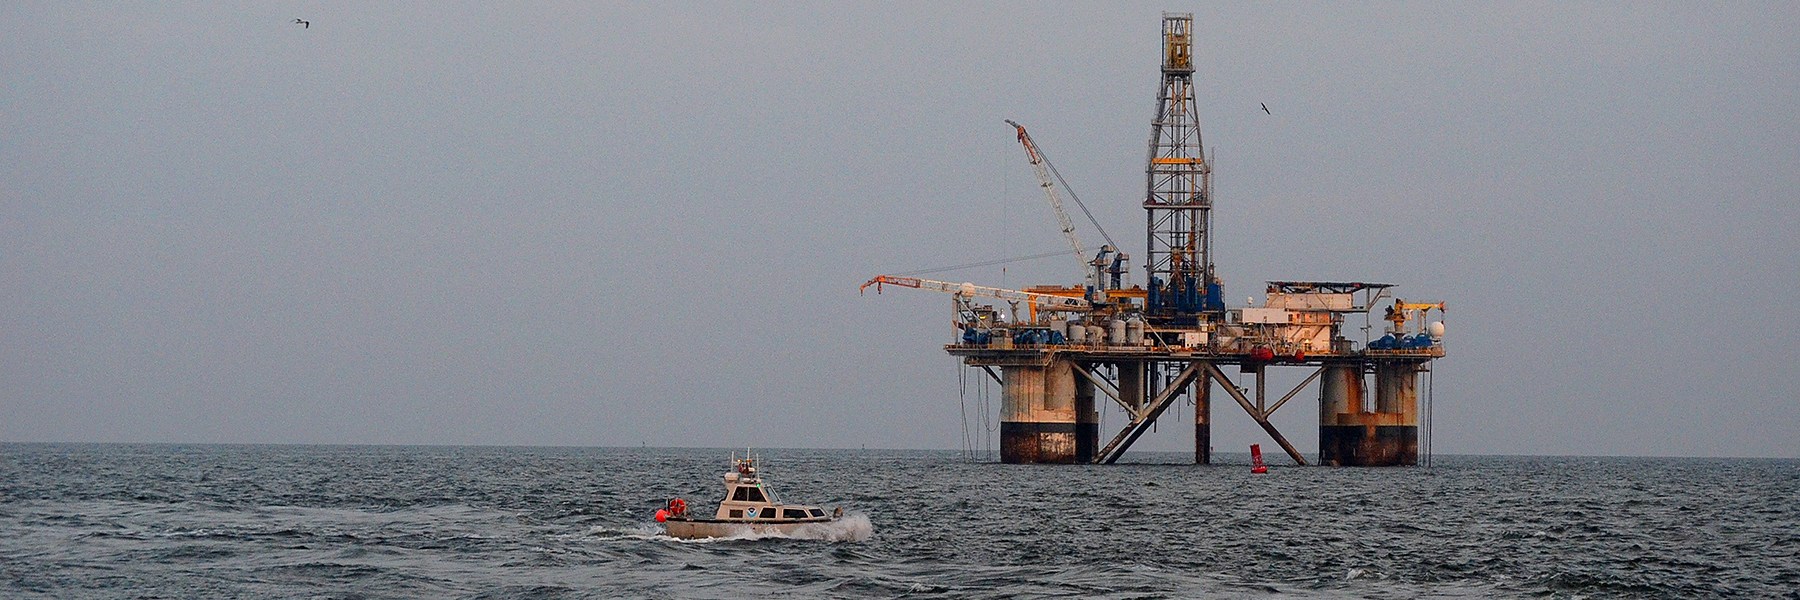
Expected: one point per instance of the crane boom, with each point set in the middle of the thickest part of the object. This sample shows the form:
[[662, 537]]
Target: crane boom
[[1400, 311], [1039, 164], [1036, 300]]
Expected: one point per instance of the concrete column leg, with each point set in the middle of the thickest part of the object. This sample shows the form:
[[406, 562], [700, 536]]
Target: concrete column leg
[[1038, 414], [1340, 407], [1087, 421]]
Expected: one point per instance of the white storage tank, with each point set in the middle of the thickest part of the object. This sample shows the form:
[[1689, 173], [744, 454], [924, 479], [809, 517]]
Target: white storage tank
[[1116, 334]]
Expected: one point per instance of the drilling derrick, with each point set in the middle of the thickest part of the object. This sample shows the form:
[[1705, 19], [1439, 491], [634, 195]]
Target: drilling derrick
[[1178, 197]]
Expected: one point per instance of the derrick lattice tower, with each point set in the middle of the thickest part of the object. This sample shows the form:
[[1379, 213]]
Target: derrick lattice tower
[[1178, 197]]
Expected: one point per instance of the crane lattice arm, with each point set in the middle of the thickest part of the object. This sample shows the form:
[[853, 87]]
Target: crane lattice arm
[[970, 290], [1039, 164]]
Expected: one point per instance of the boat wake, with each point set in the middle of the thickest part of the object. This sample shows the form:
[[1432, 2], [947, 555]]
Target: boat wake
[[640, 532], [854, 527]]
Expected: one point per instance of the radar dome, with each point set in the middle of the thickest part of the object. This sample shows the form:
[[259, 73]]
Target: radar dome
[[1436, 329]]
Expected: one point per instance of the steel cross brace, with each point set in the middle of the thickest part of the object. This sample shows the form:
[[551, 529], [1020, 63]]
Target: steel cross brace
[[1105, 387], [991, 373], [1167, 396], [1290, 395], [1261, 417]]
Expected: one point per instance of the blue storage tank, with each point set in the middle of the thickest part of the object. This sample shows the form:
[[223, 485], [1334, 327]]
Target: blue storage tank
[[1387, 342]]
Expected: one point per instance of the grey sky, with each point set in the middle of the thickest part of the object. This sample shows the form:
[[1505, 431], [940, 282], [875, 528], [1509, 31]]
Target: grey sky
[[619, 224]]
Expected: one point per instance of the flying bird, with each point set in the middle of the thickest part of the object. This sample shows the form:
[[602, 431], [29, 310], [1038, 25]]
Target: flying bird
[[1266, 109], [304, 24]]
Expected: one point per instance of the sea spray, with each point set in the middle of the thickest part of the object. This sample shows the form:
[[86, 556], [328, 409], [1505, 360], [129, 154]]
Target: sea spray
[[854, 527]]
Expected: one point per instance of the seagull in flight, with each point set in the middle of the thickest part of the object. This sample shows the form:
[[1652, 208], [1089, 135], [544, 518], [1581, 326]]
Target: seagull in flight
[[304, 24], [1266, 109]]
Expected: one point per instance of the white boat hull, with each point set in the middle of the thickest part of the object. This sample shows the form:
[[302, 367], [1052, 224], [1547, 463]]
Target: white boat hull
[[717, 528]]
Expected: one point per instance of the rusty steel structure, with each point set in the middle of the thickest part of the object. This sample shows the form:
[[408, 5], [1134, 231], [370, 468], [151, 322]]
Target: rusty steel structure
[[1174, 340]]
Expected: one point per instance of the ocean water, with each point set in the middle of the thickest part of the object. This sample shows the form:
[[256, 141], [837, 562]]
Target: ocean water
[[219, 521]]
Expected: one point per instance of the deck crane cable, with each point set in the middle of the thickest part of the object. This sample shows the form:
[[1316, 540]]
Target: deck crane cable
[[1077, 199], [1430, 393], [987, 425], [1046, 170], [985, 263], [962, 399]]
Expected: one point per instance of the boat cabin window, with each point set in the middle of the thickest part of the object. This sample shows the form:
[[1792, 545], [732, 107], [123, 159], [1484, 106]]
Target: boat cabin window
[[816, 512], [737, 513], [748, 494], [793, 513]]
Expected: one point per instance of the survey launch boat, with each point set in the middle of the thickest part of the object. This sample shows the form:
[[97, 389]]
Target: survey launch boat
[[749, 508]]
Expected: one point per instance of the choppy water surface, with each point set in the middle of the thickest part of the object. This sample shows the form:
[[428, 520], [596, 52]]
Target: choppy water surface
[[127, 521]]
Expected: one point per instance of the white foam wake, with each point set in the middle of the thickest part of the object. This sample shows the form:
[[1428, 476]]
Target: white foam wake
[[854, 527]]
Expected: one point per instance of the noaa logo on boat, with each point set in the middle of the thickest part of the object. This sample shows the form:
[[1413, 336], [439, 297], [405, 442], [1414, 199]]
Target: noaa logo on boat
[[751, 512]]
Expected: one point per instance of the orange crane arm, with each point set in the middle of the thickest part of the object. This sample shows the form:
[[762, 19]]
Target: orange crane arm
[[970, 290]]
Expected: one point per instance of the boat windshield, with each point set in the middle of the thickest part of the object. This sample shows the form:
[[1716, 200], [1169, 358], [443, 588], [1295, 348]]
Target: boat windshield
[[749, 494]]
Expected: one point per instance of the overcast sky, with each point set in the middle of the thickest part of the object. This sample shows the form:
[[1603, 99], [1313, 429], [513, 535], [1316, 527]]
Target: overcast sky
[[604, 224]]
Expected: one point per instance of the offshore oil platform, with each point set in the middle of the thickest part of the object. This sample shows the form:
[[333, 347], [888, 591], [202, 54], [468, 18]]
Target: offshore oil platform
[[1055, 350]]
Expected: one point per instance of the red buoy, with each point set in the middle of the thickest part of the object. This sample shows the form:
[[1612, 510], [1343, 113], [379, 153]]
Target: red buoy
[[1256, 463], [662, 514]]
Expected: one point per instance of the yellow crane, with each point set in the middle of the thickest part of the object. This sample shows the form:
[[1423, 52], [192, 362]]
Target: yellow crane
[[1398, 313]]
